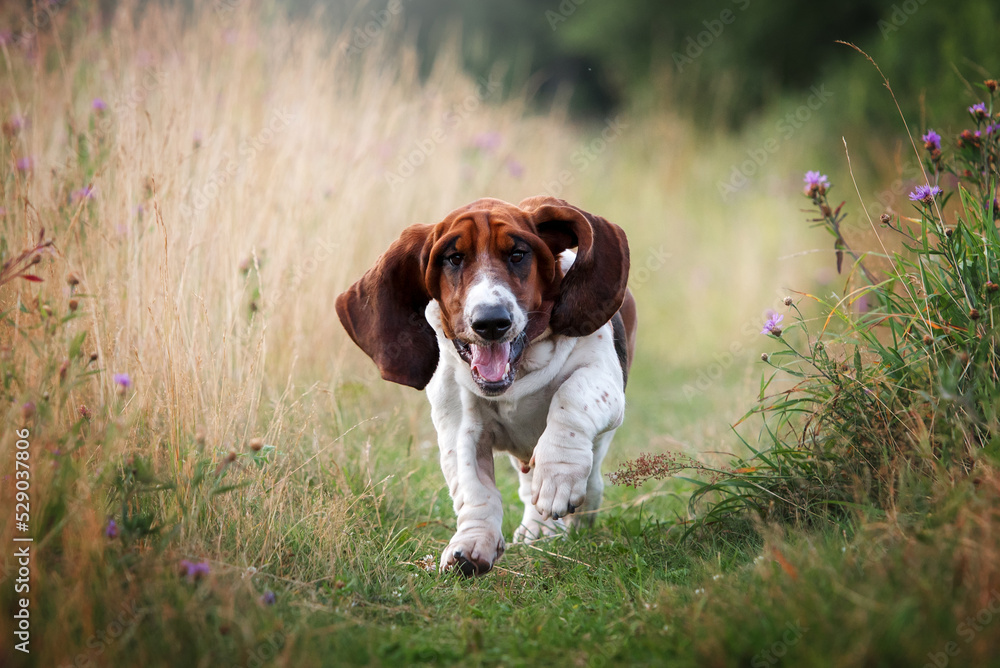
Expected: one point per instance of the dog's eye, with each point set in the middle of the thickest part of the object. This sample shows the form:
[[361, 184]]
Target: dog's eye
[[517, 256], [455, 259]]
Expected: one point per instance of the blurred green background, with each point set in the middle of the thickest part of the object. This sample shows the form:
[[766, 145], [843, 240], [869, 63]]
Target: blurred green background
[[723, 61]]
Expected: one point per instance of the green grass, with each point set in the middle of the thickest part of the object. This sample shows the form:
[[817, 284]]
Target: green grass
[[219, 310]]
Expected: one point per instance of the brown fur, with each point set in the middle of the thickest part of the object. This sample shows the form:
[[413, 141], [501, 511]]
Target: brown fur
[[384, 311]]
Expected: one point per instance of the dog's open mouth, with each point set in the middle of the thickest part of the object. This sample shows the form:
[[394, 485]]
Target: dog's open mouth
[[494, 366]]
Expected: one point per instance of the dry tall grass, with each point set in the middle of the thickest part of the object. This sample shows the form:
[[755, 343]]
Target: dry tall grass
[[244, 171]]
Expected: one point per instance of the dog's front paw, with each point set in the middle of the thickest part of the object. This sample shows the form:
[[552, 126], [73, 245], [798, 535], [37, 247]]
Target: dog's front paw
[[559, 481], [473, 552], [531, 530]]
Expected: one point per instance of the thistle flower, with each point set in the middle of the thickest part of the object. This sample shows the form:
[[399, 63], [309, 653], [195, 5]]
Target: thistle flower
[[99, 105], [932, 141], [515, 168], [816, 183], [87, 192], [487, 141], [25, 164], [924, 194], [194, 571], [123, 381], [773, 324], [978, 111], [111, 531], [268, 598]]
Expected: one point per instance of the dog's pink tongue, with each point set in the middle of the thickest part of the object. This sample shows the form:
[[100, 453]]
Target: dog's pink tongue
[[491, 361]]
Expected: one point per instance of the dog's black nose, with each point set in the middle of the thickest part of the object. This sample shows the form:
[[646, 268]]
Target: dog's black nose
[[491, 322]]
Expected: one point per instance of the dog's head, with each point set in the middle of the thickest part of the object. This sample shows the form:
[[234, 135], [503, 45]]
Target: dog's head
[[492, 268]]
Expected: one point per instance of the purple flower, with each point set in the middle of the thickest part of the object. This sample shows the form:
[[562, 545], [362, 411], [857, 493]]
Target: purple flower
[[816, 183], [25, 164], [515, 168], [268, 598], [487, 141], [978, 110], [6, 37], [194, 571], [111, 531], [773, 324], [932, 140], [924, 194], [98, 105], [87, 192], [123, 381]]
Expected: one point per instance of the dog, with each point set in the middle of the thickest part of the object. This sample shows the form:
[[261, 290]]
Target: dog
[[523, 345]]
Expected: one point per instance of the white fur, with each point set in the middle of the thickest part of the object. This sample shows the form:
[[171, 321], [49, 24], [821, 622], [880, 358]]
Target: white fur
[[489, 291], [559, 414]]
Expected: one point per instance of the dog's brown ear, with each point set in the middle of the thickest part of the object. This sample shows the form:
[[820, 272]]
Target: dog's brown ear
[[593, 289], [384, 311]]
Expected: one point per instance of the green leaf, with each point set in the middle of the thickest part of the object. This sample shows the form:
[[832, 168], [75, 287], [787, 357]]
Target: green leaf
[[77, 344]]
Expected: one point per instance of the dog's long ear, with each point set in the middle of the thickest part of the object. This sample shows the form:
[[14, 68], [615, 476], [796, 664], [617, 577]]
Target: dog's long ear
[[384, 311], [593, 289]]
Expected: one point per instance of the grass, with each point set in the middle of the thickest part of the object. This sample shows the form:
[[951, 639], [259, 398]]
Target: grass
[[243, 172]]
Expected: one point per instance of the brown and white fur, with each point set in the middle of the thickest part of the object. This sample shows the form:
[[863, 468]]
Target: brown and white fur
[[524, 347]]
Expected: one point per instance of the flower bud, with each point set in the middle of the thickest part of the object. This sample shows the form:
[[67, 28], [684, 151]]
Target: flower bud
[[256, 444], [884, 218], [974, 314]]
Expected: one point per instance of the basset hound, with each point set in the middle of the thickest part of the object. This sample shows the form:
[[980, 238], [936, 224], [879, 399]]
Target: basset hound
[[524, 347]]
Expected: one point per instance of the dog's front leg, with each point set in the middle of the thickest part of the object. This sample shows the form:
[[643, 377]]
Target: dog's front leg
[[589, 403], [467, 462]]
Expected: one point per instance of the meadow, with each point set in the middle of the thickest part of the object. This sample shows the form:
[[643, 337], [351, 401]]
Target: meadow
[[218, 477]]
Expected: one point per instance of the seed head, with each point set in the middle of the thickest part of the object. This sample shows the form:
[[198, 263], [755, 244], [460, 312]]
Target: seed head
[[991, 85], [73, 304], [928, 339], [72, 280], [974, 314], [884, 218], [991, 286], [256, 444]]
